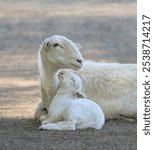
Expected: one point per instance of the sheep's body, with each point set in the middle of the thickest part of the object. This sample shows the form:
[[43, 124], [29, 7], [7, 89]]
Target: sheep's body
[[68, 112], [112, 86]]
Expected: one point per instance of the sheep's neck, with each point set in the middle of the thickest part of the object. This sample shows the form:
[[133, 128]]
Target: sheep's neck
[[49, 83]]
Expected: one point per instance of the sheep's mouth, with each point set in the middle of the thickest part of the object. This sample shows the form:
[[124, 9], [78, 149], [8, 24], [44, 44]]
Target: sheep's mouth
[[76, 66]]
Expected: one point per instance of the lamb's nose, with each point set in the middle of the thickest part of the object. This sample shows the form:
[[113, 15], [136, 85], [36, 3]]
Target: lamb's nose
[[80, 61], [62, 73]]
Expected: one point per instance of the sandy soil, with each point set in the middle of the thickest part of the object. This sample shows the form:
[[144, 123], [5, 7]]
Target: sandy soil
[[106, 30]]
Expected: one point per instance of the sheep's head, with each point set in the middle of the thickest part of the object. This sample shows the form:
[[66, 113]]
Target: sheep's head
[[62, 52]]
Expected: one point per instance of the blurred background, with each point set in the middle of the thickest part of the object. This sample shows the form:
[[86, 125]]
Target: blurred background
[[106, 30]]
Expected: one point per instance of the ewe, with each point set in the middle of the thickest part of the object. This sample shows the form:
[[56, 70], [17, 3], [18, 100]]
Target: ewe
[[55, 53], [69, 110], [113, 86]]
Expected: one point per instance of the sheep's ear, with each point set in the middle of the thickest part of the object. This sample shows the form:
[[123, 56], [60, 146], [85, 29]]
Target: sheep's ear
[[40, 46], [46, 44], [80, 95], [78, 45]]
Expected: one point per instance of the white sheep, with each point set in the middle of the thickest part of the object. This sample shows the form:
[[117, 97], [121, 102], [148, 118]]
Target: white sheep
[[69, 110], [113, 86], [55, 53]]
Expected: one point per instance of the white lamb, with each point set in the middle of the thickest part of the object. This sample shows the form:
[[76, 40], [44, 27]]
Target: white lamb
[[113, 86], [69, 110]]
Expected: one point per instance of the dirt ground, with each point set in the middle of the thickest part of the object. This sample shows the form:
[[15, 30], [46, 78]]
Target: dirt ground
[[106, 30]]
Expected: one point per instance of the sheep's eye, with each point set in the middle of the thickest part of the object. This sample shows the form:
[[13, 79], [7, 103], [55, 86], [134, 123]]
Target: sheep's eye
[[55, 44]]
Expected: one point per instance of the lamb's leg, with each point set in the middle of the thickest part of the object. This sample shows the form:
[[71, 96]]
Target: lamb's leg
[[40, 110], [89, 124], [62, 125], [50, 119], [54, 117]]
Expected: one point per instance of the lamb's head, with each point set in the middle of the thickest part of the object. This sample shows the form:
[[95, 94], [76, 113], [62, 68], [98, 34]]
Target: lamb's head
[[70, 82], [62, 52]]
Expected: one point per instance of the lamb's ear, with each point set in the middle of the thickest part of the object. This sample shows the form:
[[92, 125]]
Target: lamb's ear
[[78, 45], [80, 94]]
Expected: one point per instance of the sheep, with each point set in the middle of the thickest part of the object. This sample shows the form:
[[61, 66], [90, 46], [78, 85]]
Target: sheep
[[56, 52], [69, 110], [111, 85]]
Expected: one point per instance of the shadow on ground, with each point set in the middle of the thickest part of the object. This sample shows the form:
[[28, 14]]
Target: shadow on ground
[[115, 135]]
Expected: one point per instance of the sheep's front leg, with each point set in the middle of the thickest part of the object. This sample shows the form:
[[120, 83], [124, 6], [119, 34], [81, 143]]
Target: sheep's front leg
[[62, 125], [44, 116], [39, 111]]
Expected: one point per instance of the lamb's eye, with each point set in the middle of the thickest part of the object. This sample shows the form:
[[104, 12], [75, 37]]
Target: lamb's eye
[[55, 44], [73, 80]]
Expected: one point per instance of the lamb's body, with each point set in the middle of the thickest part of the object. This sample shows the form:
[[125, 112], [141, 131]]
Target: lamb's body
[[112, 86], [68, 112]]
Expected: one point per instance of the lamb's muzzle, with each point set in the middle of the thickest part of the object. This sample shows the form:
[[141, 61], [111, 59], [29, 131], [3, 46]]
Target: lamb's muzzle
[[61, 75]]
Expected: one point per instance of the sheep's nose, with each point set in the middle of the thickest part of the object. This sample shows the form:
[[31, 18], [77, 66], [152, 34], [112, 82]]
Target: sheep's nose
[[80, 61]]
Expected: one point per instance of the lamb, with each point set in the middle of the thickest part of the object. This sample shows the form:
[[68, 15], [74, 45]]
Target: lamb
[[69, 110], [56, 52], [111, 85]]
